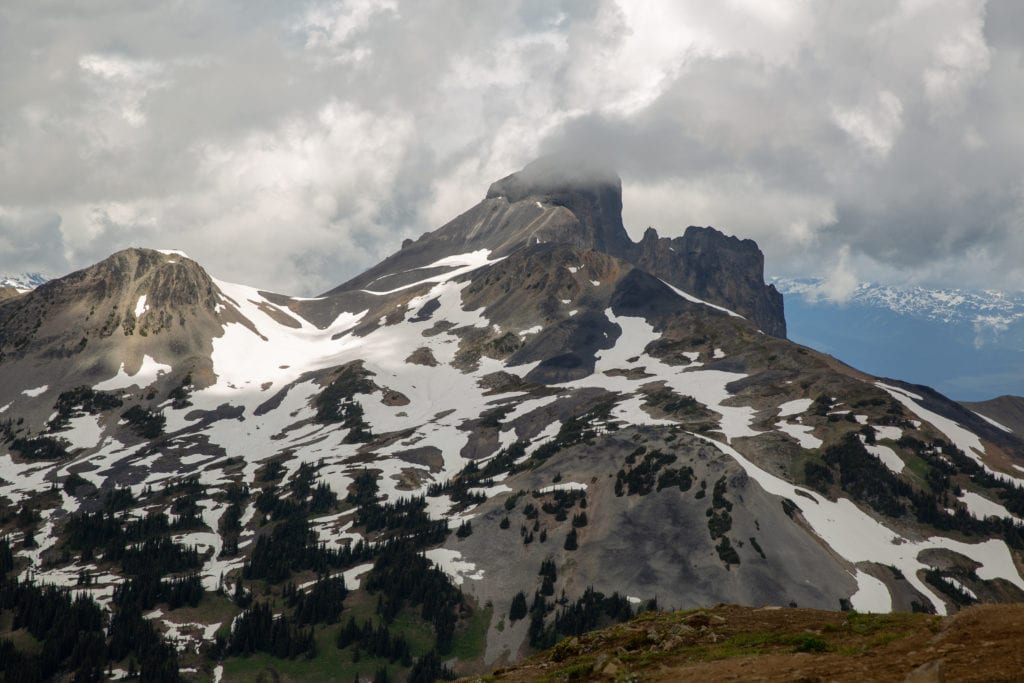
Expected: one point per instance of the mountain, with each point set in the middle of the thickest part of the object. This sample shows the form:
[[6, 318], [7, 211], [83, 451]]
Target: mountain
[[519, 426], [968, 344], [23, 282], [1007, 412], [13, 285]]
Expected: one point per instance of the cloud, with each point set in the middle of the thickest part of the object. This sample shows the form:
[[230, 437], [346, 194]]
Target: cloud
[[32, 240], [840, 283], [291, 145]]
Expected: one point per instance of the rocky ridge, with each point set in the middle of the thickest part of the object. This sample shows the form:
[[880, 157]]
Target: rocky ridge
[[729, 642]]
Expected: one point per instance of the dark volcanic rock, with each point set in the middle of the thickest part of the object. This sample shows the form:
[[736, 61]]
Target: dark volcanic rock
[[593, 195], [717, 268]]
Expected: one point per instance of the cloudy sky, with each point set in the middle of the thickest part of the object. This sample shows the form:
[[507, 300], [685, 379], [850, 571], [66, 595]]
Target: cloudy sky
[[292, 144]]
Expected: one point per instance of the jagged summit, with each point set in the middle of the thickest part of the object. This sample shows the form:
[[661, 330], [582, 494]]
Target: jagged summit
[[716, 267], [578, 202]]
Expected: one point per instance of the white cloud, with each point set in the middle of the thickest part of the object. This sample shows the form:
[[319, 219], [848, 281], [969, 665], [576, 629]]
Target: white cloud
[[291, 145], [874, 126], [122, 84]]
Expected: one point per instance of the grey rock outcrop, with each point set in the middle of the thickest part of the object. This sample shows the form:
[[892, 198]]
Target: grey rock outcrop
[[721, 269]]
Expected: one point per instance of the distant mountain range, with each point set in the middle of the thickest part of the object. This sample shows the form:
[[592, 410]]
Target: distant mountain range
[[22, 282], [966, 343]]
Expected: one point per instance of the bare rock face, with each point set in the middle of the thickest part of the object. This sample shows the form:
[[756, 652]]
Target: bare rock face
[[721, 269], [133, 293], [108, 318], [592, 194]]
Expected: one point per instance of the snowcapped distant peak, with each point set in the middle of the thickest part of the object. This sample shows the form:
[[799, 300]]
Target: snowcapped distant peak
[[23, 282], [984, 308]]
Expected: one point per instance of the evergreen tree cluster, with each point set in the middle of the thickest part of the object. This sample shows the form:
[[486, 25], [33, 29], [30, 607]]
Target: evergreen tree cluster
[[405, 515], [865, 477], [458, 488], [321, 604], [75, 640], [575, 430], [591, 611], [155, 556], [305, 496], [80, 401], [428, 669], [145, 422], [91, 531], [148, 589], [562, 501], [641, 478], [258, 630], [337, 402], [403, 576], [375, 641], [41, 447]]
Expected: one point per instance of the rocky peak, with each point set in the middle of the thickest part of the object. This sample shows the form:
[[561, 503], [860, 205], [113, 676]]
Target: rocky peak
[[590, 191], [167, 279], [578, 202], [716, 267], [135, 293]]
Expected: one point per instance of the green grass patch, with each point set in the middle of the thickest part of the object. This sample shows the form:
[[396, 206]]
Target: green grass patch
[[330, 664], [917, 466], [211, 608], [471, 636]]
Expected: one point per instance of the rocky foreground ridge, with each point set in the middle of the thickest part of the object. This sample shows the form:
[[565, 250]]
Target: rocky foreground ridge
[[517, 428], [729, 642]]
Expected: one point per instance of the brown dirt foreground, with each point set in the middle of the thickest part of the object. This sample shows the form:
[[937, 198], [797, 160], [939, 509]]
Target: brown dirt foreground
[[730, 643]]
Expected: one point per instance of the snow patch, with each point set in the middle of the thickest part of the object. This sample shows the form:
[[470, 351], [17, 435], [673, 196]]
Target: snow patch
[[140, 306], [38, 391], [795, 407], [885, 454], [982, 507], [691, 298], [994, 423], [564, 486], [148, 372], [802, 433], [887, 432], [452, 564], [871, 595]]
